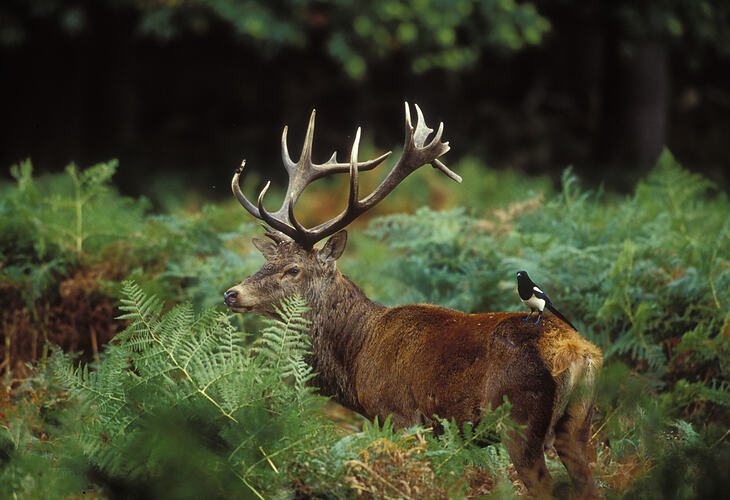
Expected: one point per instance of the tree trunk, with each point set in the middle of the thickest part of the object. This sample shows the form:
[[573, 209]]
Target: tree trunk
[[635, 104]]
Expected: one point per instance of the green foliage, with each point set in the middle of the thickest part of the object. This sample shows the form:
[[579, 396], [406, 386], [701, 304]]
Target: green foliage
[[464, 446], [284, 344], [430, 33], [702, 475], [188, 256], [66, 241], [181, 407], [689, 25], [349, 447], [435, 465], [55, 236], [433, 261], [76, 213], [54, 225], [29, 463], [48, 227]]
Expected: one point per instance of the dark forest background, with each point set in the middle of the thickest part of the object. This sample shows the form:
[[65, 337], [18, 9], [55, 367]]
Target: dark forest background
[[181, 90]]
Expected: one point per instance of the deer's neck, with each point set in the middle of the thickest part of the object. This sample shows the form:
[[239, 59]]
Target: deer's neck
[[342, 318]]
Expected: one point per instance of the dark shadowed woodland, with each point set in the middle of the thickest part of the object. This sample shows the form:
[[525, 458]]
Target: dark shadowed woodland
[[592, 140]]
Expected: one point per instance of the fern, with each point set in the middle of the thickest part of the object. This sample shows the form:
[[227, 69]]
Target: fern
[[439, 258], [184, 367], [69, 212], [87, 184], [379, 456], [284, 344], [461, 446], [348, 447]]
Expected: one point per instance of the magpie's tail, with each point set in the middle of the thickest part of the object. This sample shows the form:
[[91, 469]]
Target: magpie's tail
[[557, 313]]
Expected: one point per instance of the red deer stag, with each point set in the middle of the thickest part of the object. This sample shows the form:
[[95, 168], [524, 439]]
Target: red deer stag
[[416, 361]]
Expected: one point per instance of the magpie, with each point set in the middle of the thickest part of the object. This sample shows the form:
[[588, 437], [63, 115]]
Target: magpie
[[535, 299]]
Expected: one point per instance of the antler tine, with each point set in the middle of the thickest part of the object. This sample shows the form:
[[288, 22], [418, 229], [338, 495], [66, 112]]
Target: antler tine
[[285, 157], [235, 186], [334, 167], [276, 236], [437, 163], [450, 173], [419, 138], [271, 220], [409, 128], [423, 130], [439, 132], [354, 198], [306, 156]]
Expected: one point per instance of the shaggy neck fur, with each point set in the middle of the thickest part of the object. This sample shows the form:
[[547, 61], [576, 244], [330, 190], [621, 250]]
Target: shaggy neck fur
[[341, 319]]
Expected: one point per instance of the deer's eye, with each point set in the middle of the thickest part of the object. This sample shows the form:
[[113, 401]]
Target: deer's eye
[[292, 271]]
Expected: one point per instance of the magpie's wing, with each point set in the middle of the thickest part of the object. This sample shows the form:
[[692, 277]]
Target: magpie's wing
[[557, 313], [540, 294]]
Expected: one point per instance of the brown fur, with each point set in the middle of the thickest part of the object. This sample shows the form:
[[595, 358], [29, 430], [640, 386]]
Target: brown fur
[[417, 361]]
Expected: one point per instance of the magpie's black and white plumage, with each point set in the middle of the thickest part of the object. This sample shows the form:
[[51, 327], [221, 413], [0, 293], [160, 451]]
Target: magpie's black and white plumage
[[535, 299]]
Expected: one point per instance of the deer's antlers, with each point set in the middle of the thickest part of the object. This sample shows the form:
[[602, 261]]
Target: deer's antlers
[[416, 153]]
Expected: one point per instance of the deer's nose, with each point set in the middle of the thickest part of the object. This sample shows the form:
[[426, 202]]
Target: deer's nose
[[230, 297]]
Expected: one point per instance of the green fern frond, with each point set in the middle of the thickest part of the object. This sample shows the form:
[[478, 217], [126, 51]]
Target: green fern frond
[[284, 343], [463, 445], [137, 305], [196, 366]]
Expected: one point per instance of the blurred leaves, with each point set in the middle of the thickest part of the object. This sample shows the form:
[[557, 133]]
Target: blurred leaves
[[429, 33], [689, 25]]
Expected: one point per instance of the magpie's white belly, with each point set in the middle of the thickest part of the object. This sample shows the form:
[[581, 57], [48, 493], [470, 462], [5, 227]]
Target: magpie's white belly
[[535, 303]]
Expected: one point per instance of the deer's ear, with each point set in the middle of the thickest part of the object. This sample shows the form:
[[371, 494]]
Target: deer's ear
[[266, 247], [334, 247]]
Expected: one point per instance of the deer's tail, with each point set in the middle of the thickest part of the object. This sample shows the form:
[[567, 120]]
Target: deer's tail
[[574, 363]]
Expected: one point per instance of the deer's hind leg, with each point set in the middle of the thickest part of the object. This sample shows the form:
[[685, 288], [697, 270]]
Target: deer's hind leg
[[527, 453], [572, 436]]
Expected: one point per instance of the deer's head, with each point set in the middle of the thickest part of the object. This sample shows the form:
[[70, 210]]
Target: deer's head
[[290, 269], [293, 265]]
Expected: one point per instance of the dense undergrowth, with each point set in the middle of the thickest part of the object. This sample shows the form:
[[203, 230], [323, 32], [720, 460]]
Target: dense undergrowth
[[183, 404]]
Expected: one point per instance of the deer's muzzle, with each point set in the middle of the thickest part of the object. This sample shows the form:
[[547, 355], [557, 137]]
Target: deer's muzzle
[[235, 299], [230, 297]]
